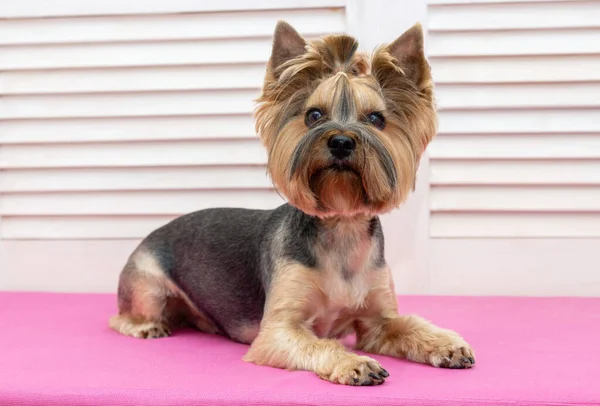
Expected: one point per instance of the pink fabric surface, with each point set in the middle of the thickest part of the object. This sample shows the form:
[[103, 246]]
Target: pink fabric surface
[[56, 349]]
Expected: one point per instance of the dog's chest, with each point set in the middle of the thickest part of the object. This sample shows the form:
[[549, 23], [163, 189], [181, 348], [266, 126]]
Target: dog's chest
[[345, 281], [342, 299]]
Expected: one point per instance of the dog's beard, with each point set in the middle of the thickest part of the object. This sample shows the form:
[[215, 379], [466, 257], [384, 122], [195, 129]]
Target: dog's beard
[[363, 183], [338, 188]]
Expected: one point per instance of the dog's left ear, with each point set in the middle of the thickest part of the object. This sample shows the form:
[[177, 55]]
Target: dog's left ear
[[409, 54], [287, 44]]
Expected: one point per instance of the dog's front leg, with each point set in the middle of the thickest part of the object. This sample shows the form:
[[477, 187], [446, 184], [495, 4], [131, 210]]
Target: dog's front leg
[[287, 340], [383, 331]]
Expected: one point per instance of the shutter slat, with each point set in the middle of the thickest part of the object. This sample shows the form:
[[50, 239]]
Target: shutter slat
[[209, 102], [134, 203], [123, 129], [490, 146], [512, 15], [526, 69], [515, 172], [59, 8], [118, 80], [163, 27], [501, 96], [520, 121], [133, 179], [156, 154], [461, 44], [506, 198], [160, 53]]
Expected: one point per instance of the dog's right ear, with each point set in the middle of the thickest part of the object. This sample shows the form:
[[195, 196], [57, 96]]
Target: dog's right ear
[[287, 44]]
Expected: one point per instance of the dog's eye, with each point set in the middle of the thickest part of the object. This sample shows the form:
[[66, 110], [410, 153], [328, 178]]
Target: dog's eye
[[312, 116], [377, 120]]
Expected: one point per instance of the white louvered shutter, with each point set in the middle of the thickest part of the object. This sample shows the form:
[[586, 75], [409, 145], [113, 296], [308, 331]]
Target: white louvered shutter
[[123, 115], [515, 169]]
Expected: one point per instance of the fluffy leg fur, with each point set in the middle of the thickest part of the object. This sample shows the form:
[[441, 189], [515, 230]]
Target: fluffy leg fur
[[410, 337], [286, 339]]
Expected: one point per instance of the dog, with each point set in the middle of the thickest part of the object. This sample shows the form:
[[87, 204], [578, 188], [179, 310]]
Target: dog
[[344, 134]]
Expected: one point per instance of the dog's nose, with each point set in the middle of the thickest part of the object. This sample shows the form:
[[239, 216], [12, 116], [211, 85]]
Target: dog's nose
[[341, 146]]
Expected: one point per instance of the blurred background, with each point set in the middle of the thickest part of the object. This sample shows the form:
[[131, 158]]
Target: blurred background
[[117, 116]]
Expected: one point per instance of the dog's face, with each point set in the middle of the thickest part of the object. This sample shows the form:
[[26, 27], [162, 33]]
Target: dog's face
[[345, 133]]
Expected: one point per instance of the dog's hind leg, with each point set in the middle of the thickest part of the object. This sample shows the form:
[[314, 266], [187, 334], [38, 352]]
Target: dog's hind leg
[[143, 295]]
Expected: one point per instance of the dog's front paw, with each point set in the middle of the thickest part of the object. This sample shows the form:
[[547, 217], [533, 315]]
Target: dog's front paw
[[449, 350], [357, 370]]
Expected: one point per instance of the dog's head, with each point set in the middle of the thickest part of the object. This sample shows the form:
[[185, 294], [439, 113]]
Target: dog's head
[[344, 133]]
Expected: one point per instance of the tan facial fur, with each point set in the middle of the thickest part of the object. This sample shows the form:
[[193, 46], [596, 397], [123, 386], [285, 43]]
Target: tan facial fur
[[346, 86]]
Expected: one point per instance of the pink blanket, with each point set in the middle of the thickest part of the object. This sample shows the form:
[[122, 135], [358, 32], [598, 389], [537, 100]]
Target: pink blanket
[[58, 350]]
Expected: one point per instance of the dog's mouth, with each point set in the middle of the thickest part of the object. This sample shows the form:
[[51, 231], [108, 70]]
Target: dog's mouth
[[337, 166], [342, 166], [339, 169]]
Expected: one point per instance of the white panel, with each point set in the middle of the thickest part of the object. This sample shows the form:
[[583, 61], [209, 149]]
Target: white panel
[[486, 96], [514, 43], [515, 267], [522, 198], [71, 227], [486, 172], [168, 26], [514, 15], [126, 129], [131, 104], [517, 69], [236, 76], [520, 121], [515, 225], [140, 54], [458, 266], [182, 153], [134, 203], [106, 179], [35, 8], [64, 266], [515, 146]]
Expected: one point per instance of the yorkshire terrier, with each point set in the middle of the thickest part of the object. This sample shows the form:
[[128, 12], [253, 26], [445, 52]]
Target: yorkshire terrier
[[344, 135]]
